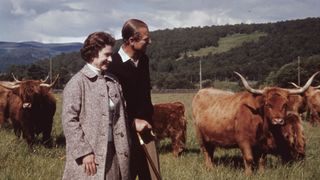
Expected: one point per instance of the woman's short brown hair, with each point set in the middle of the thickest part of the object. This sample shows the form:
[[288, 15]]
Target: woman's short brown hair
[[94, 43]]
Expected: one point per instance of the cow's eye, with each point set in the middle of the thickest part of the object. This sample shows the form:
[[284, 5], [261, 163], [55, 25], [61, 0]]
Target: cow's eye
[[268, 106]]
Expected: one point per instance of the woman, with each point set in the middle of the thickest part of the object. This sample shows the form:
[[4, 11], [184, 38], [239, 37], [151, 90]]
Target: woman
[[93, 117]]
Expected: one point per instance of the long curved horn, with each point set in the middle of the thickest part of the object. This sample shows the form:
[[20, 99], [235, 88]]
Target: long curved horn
[[294, 84], [246, 85], [9, 85], [317, 87], [14, 78], [305, 87], [52, 84], [43, 81]]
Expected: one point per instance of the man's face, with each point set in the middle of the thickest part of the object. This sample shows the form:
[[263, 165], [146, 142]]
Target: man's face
[[104, 58], [141, 44]]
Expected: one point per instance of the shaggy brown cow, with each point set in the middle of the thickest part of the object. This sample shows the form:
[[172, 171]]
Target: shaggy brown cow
[[170, 122], [240, 120], [311, 97], [4, 95], [287, 140], [31, 108], [297, 103]]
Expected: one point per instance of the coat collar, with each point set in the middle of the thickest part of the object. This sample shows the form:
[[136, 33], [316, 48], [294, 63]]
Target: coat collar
[[88, 72], [91, 74]]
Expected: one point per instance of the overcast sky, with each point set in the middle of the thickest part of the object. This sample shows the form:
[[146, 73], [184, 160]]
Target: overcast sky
[[56, 21]]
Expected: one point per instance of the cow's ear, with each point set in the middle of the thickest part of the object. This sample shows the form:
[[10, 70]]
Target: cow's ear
[[44, 90], [16, 91], [256, 102], [260, 101]]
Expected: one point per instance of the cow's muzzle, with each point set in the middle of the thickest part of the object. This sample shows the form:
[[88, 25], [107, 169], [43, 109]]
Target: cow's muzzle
[[26, 105], [278, 121]]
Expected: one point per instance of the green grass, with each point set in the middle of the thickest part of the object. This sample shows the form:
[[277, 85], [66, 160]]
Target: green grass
[[225, 44], [18, 162]]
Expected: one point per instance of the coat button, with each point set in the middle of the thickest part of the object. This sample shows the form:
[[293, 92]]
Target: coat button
[[121, 134]]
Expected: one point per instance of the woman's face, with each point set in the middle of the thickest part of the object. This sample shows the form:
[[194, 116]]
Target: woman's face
[[104, 58]]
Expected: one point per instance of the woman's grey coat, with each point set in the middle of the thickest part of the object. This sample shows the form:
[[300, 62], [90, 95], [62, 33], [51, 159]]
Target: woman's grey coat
[[85, 118]]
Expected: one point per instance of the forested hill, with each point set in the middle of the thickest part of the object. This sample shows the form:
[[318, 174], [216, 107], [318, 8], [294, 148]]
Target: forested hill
[[258, 51], [29, 52], [282, 44]]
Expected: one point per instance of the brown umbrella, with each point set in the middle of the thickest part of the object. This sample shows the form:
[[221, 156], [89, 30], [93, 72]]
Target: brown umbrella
[[155, 170]]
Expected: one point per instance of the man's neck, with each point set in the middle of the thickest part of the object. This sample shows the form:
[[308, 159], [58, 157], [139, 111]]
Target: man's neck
[[130, 52]]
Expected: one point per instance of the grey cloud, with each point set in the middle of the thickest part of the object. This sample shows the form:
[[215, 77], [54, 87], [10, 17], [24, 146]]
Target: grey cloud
[[64, 20]]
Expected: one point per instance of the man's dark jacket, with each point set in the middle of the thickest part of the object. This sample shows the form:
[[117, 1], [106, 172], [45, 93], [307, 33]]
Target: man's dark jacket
[[135, 82]]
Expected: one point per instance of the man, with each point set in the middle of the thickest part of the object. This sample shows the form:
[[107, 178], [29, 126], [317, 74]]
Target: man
[[131, 66]]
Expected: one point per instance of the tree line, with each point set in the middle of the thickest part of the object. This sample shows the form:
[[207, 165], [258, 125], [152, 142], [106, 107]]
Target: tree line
[[270, 60]]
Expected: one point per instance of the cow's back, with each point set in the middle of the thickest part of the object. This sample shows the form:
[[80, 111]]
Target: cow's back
[[213, 105]]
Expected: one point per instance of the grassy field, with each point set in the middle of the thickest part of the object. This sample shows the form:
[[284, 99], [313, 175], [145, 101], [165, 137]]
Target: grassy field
[[17, 162], [225, 44]]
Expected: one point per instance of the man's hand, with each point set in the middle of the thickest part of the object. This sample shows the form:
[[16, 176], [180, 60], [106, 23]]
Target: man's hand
[[141, 124], [89, 164]]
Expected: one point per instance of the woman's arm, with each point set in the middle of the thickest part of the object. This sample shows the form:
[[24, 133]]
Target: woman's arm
[[75, 137]]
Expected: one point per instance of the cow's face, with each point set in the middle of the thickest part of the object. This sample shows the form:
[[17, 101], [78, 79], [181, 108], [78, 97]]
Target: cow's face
[[28, 91], [275, 100], [275, 105]]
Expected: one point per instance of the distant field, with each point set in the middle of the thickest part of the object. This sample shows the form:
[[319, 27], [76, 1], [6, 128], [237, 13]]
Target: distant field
[[225, 44], [18, 163]]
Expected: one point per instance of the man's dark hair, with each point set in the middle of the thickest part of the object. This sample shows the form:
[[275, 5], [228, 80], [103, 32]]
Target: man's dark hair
[[94, 43], [130, 29]]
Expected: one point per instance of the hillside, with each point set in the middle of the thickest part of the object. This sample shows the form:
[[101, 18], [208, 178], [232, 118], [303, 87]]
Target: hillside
[[29, 52], [283, 43], [224, 45], [257, 51]]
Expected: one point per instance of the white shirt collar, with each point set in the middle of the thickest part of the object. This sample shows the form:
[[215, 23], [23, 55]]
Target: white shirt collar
[[125, 57], [94, 69]]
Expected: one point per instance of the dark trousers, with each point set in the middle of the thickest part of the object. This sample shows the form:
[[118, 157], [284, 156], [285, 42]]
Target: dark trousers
[[139, 165]]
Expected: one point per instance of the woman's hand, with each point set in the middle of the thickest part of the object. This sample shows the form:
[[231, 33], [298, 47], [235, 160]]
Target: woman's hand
[[89, 164]]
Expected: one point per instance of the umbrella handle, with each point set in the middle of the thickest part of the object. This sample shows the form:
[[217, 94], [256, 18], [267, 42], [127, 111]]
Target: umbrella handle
[[140, 139], [148, 155]]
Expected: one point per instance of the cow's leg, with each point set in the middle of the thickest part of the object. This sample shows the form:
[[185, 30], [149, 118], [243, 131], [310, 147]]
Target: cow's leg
[[28, 133], [247, 158], [317, 117], [314, 119], [261, 161], [299, 138], [47, 134], [1, 117], [208, 150], [178, 143], [205, 148], [17, 129]]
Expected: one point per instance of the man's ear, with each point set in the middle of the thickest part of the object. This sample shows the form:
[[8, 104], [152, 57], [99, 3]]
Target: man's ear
[[131, 40]]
